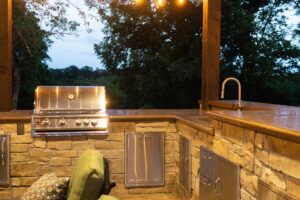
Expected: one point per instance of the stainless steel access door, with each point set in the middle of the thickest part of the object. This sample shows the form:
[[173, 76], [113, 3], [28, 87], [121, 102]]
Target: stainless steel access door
[[4, 160], [144, 159], [226, 179], [185, 163], [219, 177]]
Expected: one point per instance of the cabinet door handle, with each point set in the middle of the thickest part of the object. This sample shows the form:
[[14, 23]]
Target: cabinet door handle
[[2, 158], [206, 157], [2, 152], [217, 181]]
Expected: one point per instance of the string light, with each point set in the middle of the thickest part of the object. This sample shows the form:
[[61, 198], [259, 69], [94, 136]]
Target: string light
[[180, 2], [159, 3], [138, 2]]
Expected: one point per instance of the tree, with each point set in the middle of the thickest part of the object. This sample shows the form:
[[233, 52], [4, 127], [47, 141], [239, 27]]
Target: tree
[[31, 42], [73, 75], [255, 50], [157, 51], [30, 46]]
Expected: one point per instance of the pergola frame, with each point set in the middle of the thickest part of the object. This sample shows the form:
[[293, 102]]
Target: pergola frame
[[210, 52]]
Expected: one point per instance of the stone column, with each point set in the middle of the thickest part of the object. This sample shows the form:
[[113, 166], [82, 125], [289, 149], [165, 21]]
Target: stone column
[[5, 55]]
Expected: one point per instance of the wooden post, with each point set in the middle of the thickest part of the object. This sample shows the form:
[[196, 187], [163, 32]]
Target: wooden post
[[5, 55], [211, 50]]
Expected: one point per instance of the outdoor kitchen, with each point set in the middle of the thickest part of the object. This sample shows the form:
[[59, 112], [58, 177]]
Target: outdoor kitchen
[[71, 143], [260, 154]]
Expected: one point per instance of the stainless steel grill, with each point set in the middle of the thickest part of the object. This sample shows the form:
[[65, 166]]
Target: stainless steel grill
[[69, 110]]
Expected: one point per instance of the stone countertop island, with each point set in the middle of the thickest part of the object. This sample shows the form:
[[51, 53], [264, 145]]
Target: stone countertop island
[[278, 120], [263, 139]]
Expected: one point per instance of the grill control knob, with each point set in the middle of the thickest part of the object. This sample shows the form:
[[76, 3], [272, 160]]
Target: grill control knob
[[86, 122], [94, 122], [45, 122], [78, 122], [62, 122]]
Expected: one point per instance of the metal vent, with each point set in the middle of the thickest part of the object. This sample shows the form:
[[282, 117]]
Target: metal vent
[[4, 160], [144, 154], [185, 163]]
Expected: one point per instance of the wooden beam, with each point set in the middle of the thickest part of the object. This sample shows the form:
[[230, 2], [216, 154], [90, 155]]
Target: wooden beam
[[5, 55], [211, 50]]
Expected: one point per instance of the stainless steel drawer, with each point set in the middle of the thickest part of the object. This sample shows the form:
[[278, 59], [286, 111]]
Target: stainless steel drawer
[[144, 159], [4, 160], [219, 177]]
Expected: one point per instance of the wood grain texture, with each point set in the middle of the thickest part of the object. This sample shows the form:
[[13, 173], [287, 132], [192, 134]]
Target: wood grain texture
[[211, 50], [5, 55]]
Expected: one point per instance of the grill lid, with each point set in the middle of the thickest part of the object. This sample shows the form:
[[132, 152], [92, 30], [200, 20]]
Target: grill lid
[[66, 99]]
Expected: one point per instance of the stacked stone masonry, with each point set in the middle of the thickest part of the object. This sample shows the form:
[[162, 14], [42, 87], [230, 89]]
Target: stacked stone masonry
[[274, 160], [32, 157]]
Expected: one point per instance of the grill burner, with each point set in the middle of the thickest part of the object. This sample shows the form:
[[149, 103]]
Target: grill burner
[[69, 110]]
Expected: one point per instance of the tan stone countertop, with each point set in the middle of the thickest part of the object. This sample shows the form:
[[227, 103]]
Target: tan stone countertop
[[15, 116], [277, 120], [191, 117]]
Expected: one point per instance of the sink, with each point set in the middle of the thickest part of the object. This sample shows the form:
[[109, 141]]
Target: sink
[[218, 105]]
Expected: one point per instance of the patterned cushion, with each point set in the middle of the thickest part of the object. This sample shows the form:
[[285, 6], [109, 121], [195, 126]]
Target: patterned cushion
[[48, 187]]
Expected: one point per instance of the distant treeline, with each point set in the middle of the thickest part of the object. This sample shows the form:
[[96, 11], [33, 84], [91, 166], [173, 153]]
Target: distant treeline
[[152, 57], [284, 90]]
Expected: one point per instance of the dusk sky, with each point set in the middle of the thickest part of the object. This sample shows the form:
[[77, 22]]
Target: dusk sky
[[78, 50]]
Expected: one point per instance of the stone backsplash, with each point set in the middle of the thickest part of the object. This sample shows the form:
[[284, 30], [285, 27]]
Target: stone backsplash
[[33, 157], [274, 160]]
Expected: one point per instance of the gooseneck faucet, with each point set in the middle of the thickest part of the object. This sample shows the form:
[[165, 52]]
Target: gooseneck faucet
[[240, 104]]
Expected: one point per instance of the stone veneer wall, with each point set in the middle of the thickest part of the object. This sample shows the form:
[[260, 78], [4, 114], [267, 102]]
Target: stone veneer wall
[[33, 157], [274, 160]]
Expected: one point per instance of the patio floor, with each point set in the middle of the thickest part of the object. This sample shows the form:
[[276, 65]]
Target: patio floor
[[149, 197]]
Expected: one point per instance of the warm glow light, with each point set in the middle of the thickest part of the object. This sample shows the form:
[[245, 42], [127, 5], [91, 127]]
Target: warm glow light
[[77, 91], [159, 3], [37, 92], [138, 2], [180, 2], [102, 101], [103, 123]]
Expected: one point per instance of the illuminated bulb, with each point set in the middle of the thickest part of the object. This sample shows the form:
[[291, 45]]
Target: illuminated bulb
[[159, 2], [180, 2], [102, 102], [138, 2]]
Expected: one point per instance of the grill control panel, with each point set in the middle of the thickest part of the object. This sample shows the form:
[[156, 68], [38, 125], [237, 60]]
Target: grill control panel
[[59, 123]]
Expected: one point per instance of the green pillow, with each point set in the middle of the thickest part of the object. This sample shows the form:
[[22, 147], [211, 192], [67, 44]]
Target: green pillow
[[88, 177]]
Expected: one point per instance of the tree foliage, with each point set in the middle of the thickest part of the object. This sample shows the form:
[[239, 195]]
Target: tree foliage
[[30, 46], [73, 75], [157, 51], [152, 55]]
